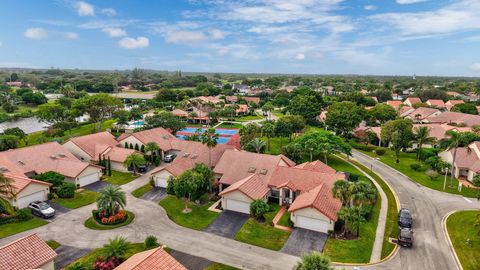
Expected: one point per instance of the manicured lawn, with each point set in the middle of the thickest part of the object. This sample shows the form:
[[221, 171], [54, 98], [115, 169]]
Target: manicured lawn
[[232, 125], [93, 225], [137, 193], [276, 144], [263, 234], [119, 178], [460, 228], [219, 266], [406, 159], [199, 218], [89, 259], [249, 118], [285, 220], [18, 227], [53, 244], [81, 198]]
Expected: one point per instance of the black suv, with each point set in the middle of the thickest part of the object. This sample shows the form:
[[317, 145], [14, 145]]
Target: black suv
[[405, 237], [404, 218]]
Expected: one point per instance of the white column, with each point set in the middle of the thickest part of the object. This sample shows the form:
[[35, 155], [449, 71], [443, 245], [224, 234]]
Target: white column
[[280, 197], [291, 196]]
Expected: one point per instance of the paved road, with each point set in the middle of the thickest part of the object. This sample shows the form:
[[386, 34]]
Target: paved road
[[431, 250]]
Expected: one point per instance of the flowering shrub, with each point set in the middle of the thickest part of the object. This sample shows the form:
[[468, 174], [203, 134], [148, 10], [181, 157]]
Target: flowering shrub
[[102, 218], [108, 264]]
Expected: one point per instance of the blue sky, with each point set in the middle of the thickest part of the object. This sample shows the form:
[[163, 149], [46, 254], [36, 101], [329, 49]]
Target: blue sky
[[391, 37]]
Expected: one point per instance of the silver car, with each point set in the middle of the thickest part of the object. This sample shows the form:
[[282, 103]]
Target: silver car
[[42, 209]]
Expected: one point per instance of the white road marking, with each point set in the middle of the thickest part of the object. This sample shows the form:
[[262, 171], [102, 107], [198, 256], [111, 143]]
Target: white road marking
[[467, 200]]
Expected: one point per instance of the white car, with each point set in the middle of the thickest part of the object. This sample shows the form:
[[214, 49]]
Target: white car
[[42, 209]]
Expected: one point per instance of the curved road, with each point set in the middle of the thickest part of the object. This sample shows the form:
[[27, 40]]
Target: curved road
[[431, 249]]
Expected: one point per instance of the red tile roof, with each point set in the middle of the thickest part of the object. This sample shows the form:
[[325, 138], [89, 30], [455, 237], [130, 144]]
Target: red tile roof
[[180, 113], [449, 104], [96, 143], [413, 100], [302, 180], [436, 102], [253, 186], [117, 154], [457, 118], [29, 252], [19, 183], [421, 113], [252, 99], [159, 135], [154, 259], [394, 103], [320, 198], [317, 166]]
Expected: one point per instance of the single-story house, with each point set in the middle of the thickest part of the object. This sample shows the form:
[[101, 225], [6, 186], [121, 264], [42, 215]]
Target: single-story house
[[255, 100], [449, 104], [467, 161], [410, 101], [153, 259], [420, 114], [436, 103], [37, 159], [29, 252], [26, 190], [241, 110], [455, 118], [103, 144], [161, 136], [394, 104]]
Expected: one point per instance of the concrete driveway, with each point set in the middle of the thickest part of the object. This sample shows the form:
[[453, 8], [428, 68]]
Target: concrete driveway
[[155, 195], [302, 241], [189, 261], [59, 210], [227, 224], [68, 254], [97, 186]]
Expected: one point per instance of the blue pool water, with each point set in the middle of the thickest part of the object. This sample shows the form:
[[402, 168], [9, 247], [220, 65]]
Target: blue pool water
[[139, 123], [220, 140], [219, 131]]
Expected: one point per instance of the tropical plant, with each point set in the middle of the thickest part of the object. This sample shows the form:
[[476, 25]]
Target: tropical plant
[[258, 208], [111, 199], [453, 141], [257, 144], [268, 130], [342, 190], [152, 148], [209, 138], [364, 192], [116, 248], [421, 136], [150, 242], [134, 160], [314, 261], [6, 191], [398, 133]]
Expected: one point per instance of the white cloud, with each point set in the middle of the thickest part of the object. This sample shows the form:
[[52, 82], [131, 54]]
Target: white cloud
[[35, 33], [370, 7], [110, 12], [185, 37], [475, 67], [114, 32], [216, 34], [71, 35], [407, 2], [84, 8], [1, 44], [300, 56], [134, 43]]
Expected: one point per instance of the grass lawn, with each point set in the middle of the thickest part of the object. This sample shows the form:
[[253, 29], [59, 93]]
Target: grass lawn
[[461, 227], [276, 145], [18, 227], [81, 198], [285, 220], [232, 125], [249, 118], [89, 259], [53, 244], [219, 266], [119, 178], [406, 159], [93, 225], [137, 193], [263, 234], [199, 218]]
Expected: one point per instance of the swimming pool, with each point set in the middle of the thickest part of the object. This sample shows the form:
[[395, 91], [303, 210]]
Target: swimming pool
[[219, 131], [139, 123], [220, 140]]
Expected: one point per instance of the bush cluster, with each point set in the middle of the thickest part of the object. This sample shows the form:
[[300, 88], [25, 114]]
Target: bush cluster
[[363, 147], [23, 214], [102, 218]]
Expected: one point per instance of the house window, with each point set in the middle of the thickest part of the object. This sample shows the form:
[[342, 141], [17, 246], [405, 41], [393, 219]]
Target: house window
[[275, 194]]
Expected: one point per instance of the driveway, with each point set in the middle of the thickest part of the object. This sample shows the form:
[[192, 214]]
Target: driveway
[[189, 261], [156, 194], [227, 224], [68, 254], [59, 210], [302, 241], [97, 186]]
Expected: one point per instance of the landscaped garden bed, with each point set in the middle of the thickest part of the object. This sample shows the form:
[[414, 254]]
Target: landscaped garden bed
[[465, 237], [122, 218]]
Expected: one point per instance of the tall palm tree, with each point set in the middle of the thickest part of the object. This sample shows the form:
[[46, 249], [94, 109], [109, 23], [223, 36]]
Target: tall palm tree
[[346, 214], [116, 248], [111, 199], [357, 218], [342, 190], [364, 193], [257, 144], [134, 160], [453, 142], [6, 191], [314, 261], [268, 130], [209, 138], [310, 146], [421, 136], [152, 147]]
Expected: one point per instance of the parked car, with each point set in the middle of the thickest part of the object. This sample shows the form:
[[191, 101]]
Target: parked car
[[142, 169], [405, 237], [405, 218], [42, 209], [169, 158]]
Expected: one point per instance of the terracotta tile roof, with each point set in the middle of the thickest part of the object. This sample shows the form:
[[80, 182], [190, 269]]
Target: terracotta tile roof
[[467, 159], [19, 183], [252, 99], [253, 186], [449, 104], [413, 100], [320, 198], [208, 99], [91, 143], [180, 113], [436, 102], [29, 252], [159, 135], [316, 166], [231, 98], [394, 103], [302, 180], [154, 259], [237, 165], [117, 154], [421, 113], [457, 118], [242, 108], [452, 93], [42, 158], [405, 110]]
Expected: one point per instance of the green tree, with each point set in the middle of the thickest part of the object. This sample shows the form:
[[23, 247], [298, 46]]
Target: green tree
[[314, 261], [150, 242], [308, 106], [342, 190], [209, 138], [117, 248], [268, 130], [258, 208], [323, 143], [152, 148], [6, 191], [249, 132], [53, 113], [134, 161], [421, 136], [452, 142], [294, 151], [268, 108], [165, 120], [469, 108], [8, 142], [99, 107], [398, 133], [343, 117], [382, 113], [257, 144], [111, 200], [16, 131]]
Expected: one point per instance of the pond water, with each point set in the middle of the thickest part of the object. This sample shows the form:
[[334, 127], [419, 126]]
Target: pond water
[[28, 125]]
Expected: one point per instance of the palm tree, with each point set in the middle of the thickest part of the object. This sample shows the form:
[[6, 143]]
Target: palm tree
[[453, 142], [421, 136], [346, 214], [314, 261], [364, 193], [134, 160], [342, 190], [116, 248], [357, 218], [111, 199], [310, 146], [209, 138], [6, 191], [152, 147], [257, 144], [268, 130]]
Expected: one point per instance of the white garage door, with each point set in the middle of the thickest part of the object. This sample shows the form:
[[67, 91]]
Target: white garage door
[[237, 206], [312, 224], [160, 182], [88, 179], [25, 200]]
